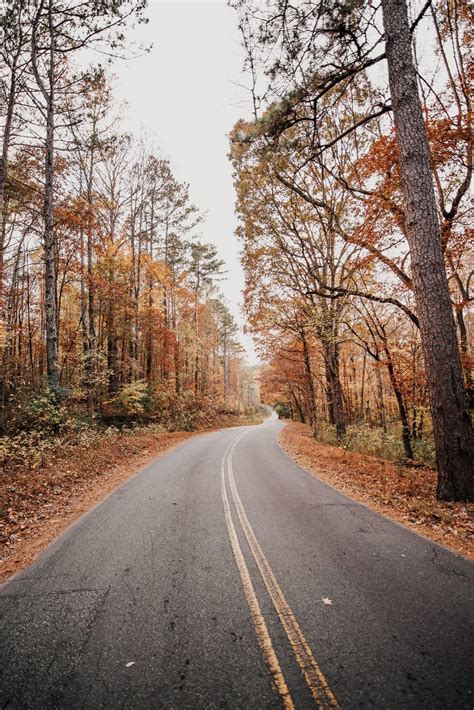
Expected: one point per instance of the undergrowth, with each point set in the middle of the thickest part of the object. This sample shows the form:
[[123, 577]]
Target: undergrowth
[[374, 441], [43, 424]]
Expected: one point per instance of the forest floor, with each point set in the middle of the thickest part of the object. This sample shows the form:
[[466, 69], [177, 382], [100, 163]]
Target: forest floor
[[401, 492], [37, 505]]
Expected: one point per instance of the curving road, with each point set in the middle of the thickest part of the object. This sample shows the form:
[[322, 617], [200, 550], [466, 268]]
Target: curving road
[[225, 576]]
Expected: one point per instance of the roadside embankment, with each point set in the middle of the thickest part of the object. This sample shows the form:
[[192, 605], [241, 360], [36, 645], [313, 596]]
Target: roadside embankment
[[404, 493]]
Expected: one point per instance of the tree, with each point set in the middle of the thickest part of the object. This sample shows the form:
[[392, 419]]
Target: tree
[[204, 269], [14, 37], [90, 142], [298, 248], [453, 431], [227, 330]]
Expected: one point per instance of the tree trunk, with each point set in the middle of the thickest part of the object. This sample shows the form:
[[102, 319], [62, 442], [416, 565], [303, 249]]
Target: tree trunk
[[177, 373], [49, 240], [466, 360], [176, 346], [453, 433], [3, 182], [50, 301], [310, 387], [402, 410], [5, 384], [361, 412], [380, 399], [357, 404], [84, 316], [9, 108], [334, 388], [196, 335], [149, 349], [91, 349], [112, 349], [298, 406], [226, 372], [328, 391]]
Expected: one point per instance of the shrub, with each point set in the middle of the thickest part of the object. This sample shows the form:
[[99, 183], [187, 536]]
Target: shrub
[[45, 410], [187, 411], [376, 442], [132, 400]]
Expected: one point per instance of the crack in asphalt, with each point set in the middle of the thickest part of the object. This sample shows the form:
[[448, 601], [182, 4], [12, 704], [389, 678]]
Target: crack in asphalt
[[440, 565]]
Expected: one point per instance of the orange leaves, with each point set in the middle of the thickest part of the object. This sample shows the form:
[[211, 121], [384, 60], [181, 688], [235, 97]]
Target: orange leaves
[[157, 270]]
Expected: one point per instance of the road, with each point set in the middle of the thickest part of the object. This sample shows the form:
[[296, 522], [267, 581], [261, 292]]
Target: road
[[225, 576]]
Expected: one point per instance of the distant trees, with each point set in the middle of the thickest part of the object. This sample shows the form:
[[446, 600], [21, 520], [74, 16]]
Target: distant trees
[[323, 109]]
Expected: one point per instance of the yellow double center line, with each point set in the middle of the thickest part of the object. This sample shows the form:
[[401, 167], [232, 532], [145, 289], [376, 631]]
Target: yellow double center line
[[312, 673]]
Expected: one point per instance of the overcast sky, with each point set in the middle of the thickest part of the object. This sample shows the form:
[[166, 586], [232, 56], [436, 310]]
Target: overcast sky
[[185, 94]]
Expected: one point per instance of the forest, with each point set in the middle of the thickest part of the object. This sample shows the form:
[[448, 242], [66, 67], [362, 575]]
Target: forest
[[110, 310], [353, 194]]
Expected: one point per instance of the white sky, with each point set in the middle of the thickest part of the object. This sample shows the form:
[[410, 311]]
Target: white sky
[[185, 95]]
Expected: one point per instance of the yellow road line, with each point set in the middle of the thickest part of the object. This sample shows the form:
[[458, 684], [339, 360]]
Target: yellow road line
[[260, 626], [314, 677]]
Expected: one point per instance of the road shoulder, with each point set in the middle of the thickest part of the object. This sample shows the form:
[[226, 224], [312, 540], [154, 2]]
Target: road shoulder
[[404, 494], [41, 504]]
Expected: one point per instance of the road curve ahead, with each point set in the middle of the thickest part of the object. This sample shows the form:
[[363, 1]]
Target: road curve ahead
[[225, 576]]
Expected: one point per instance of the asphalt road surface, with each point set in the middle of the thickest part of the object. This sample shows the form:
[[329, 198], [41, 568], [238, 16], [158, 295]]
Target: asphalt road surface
[[225, 576]]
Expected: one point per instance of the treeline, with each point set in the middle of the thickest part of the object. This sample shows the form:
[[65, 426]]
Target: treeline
[[108, 297], [353, 197]]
